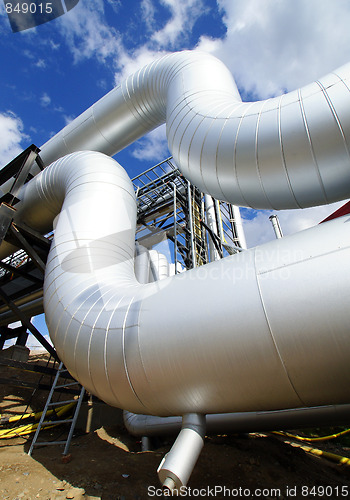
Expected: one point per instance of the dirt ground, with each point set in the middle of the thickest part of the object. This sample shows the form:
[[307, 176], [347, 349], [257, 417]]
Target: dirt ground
[[108, 464]]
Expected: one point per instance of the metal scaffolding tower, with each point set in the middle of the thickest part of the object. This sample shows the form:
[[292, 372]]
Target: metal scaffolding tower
[[172, 210]]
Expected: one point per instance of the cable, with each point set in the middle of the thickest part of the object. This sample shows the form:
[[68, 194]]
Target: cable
[[29, 428], [312, 439], [320, 453], [15, 418], [25, 416]]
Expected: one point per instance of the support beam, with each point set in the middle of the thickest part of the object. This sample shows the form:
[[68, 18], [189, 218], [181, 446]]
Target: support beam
[[23, 243], [6, 216], [34, 385], [32, 368], [19, 167], [19, 333], [19, 272], [26, 322], [22, 336], [33, 236]]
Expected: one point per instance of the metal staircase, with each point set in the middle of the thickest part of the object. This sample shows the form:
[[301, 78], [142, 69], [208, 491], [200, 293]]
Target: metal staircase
[[52, 404]]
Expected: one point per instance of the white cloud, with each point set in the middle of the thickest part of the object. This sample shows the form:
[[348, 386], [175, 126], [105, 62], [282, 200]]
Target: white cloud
[[115, 4], [147, 10], [184, 14], [174, 35], [40, 64], [258, 228], [53, 45], [4, 22], [129, 64], [68, 119], [11, 136], [276, 45], [87, 33], [45, 100], [152, 147]]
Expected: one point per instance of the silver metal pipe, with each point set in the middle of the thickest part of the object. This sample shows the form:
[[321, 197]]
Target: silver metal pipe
[[294, 341], [291, 351], [120, 338], [238, 225], [256, 421], [159, 266], [291, 151], [276, 226], [190, 223], [176, 467], [150, 425], [212, 223], [219, 220], [175, 226], [142, 264]]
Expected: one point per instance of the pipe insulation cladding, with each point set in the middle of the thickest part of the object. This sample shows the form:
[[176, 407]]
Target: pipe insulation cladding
[[290, 151], [264, 329]]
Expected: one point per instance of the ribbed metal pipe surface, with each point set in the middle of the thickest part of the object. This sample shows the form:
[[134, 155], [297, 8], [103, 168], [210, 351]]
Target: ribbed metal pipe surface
[[261, 330], [287, 152]]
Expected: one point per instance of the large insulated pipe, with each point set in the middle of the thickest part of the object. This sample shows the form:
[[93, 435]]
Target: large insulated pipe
[[287, 152], [283, 340]]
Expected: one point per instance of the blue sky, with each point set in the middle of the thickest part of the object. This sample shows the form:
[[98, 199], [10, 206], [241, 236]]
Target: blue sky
[[52, 73]]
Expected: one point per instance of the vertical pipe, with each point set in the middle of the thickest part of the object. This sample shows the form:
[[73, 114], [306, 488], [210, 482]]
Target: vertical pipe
[[211, 221], [177, 465], [276, 226], [146, 443], [142, 264], [219, 221], [190, 219], [159, 266], [203, 230], [175, 228], [238, 226]]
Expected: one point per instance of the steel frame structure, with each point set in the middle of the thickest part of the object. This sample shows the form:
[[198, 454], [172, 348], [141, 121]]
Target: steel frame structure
[[171, 208]]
